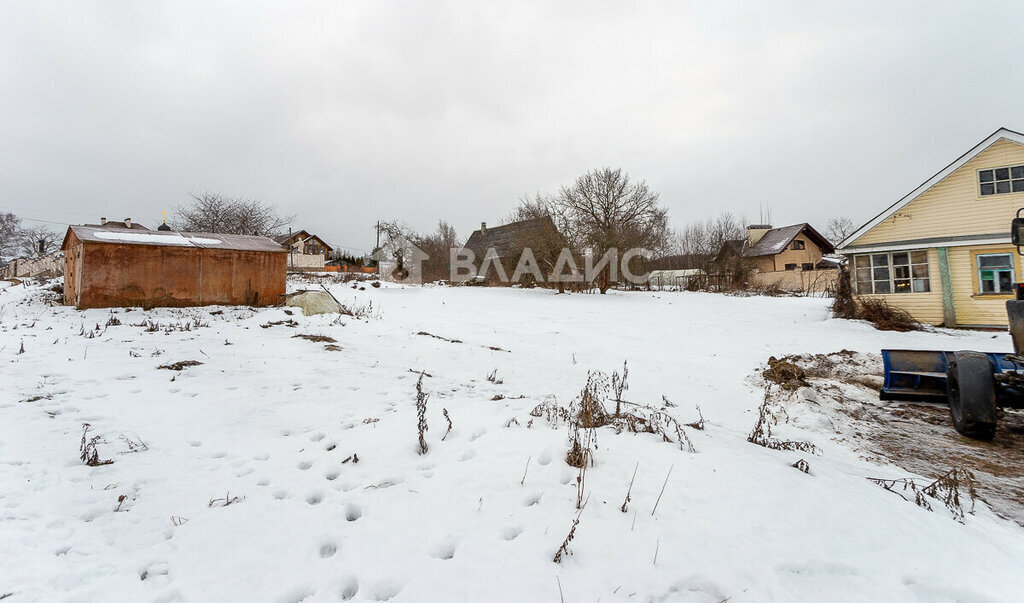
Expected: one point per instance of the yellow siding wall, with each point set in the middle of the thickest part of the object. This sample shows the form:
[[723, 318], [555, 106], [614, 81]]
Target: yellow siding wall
[[925, 307], [972, 308], [954, 206]]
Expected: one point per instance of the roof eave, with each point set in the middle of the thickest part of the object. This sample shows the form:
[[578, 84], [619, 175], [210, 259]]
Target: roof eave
[[976, 150]]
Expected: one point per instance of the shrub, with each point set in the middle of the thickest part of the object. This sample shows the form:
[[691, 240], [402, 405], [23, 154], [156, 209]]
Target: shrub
[[875, 310], [878, 312]]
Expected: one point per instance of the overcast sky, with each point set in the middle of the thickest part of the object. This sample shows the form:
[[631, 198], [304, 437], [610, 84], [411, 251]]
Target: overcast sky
[[345, 113]]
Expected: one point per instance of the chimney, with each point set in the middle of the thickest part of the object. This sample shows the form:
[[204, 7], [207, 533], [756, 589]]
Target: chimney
[[483, 228], [103, 221], [127, 222], [755, 232]]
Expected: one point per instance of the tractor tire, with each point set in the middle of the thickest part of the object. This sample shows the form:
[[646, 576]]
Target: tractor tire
[[971, 389]]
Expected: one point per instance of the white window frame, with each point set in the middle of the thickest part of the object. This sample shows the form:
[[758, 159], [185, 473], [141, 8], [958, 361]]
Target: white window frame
[[1012, 270], [892, 277], [993, 182]]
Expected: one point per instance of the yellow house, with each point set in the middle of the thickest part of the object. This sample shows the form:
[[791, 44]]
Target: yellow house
[[943, 252]]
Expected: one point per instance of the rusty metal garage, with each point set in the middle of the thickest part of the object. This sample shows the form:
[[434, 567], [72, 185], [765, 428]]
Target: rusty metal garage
[[125, 266]]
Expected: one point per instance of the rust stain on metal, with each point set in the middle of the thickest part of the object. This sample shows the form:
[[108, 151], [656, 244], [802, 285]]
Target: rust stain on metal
[[101, 275]]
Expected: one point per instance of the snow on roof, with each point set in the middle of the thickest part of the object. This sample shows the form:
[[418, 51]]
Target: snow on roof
[[203, 240], [775, 240]]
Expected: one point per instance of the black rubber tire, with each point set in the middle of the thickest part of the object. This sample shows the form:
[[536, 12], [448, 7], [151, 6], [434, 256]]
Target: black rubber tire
[[971, 389]]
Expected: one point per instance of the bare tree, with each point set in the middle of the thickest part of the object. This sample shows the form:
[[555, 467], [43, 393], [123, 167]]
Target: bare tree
[[37, 240], [603, 210], [211, 212], [10, 227], [438, 246], [837, 229], [396, 246]]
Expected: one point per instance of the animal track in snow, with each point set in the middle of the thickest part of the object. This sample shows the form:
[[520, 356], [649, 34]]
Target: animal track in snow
[[353, 512], [328, 549], [467, 455], [280, 494], [444, 550], [545, 457], [261, 457], [532, 499], [349, 588], [244, 472], [332, 475], [304, 465], [329, 446], [263, 482], [383, 591], [316, 437], [314, 498], [195, 443], [477, 434], [511, 532]]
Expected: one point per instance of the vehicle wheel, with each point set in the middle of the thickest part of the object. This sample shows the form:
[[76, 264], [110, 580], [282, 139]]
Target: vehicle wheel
[[971, 389]]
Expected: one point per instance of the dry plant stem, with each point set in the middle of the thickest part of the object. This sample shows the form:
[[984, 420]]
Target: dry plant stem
[[626, 501], [525, 471], [421, 413], [657, 544], [444, 411], [662, 490]]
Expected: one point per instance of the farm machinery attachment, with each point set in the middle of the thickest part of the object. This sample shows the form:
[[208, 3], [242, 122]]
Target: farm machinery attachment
[[974, 384]]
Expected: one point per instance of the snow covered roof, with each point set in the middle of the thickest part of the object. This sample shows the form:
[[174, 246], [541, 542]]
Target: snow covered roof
[[204, 240], [775, 240]]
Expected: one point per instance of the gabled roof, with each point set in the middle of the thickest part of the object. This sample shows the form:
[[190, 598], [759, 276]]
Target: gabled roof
[[302, 235], [507, 239], [160, 238], [1000, 134], [776, 240]]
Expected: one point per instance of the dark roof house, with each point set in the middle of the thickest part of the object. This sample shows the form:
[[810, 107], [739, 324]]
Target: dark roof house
[[508, 240], [763, 240]]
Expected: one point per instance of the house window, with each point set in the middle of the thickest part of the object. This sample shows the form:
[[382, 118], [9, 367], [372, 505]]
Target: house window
[[897, 272], [790, 266], [995, 273], [998, 181], [798, 245], [806, 266]]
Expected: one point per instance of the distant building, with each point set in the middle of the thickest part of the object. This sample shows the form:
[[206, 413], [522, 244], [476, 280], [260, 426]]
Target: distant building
[[48, 265], [124, 264], [789, 257], [509, 240], [306, 252]]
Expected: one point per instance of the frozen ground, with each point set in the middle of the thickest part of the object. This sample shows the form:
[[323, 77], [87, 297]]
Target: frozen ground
[[271, 419]]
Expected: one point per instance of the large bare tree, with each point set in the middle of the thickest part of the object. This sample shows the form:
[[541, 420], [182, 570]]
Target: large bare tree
[[10, 227], [604, 209], [211, 212], [37, 240], [837, 229]]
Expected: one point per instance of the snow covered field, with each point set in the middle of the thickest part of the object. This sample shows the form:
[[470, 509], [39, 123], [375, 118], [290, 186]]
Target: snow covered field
[[273, 420]]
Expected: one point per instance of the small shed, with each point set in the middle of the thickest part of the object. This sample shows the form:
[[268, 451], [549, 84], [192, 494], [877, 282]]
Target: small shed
[[107, 267]]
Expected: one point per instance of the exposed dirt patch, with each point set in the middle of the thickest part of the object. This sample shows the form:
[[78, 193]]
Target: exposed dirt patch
[[316, 338], [178, 366], [918, 437]]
